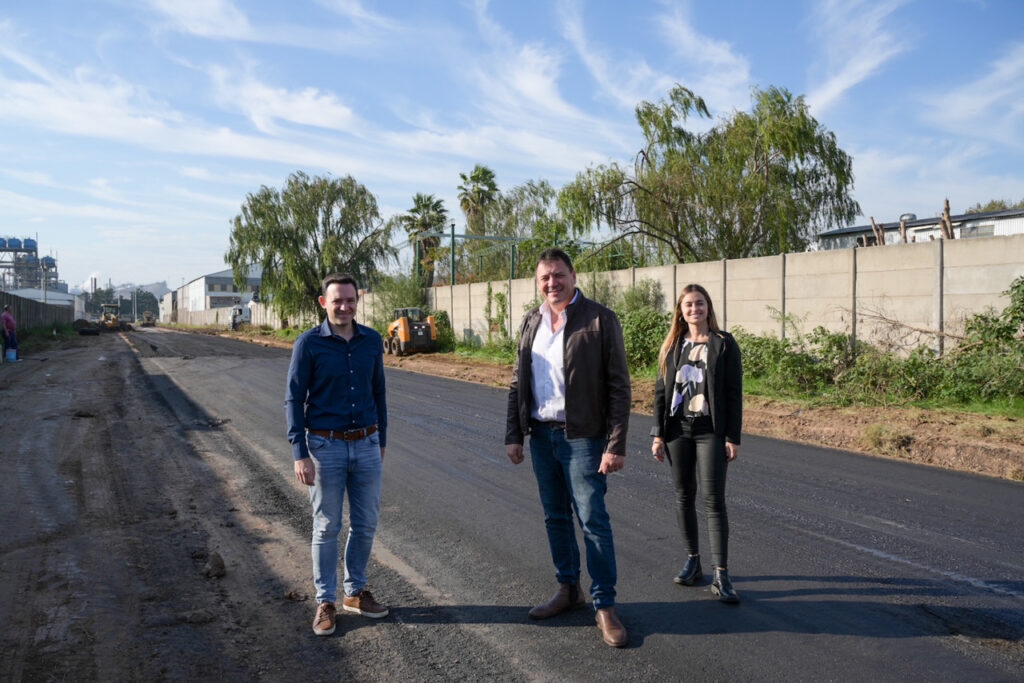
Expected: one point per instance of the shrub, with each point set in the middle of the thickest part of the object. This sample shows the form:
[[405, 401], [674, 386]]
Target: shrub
[[445, 333], [644, 294], [644, 329]]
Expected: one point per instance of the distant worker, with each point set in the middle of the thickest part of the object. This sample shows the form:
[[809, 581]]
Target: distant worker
[[337, 425], [571, 392], [10, 330]]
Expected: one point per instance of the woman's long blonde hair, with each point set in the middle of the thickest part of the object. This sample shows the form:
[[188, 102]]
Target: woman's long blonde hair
[[680, 327]]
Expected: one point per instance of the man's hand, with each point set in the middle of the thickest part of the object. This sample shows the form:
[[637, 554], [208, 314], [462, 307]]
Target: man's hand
[[382, 449], [514, 451], [732, 451], [305, 471], [611, 463]]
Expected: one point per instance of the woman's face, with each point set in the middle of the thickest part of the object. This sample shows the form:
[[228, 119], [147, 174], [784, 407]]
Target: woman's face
[[694, 308]]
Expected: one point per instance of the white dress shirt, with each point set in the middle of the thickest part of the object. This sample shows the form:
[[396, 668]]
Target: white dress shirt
[[547, 378]]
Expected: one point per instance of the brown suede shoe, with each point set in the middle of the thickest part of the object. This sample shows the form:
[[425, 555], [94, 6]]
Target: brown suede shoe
[[325, 620], [363, 603], [611, 628], [567, 597]]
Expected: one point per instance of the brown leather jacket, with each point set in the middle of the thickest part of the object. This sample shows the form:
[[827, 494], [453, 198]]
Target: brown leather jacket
[[598, 394]]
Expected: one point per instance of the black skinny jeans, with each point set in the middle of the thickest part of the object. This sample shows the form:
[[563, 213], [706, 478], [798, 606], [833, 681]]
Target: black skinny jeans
[[696, 451]]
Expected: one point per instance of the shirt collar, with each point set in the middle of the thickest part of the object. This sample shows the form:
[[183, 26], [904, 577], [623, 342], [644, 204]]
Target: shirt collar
[[545, 309], [325, 329]]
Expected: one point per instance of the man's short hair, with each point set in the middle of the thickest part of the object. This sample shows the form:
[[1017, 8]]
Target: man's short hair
[[339, 279], [556, 254]]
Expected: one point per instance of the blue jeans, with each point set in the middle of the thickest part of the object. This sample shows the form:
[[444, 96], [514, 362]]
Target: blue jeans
[[568, 480], [353, 466]]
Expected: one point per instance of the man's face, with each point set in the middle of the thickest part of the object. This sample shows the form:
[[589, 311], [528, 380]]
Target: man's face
[[340, 302], [557, 282]]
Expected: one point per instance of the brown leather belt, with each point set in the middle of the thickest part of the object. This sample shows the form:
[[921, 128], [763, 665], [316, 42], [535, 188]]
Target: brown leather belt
[[345, 434]]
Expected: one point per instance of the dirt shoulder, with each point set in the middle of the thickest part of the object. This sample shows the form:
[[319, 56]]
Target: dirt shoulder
[[992, 446], [968, 442]]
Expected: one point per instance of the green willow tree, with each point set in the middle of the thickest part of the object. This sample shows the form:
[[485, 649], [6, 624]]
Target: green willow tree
[[758, 183], [305, 231], [427, 215]]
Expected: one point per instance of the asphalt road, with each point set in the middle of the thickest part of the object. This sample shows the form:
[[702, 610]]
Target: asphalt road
[[850, 567]]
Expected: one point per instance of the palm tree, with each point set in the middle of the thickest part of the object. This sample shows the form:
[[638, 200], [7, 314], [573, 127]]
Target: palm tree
[[476, 192], [427, 215]]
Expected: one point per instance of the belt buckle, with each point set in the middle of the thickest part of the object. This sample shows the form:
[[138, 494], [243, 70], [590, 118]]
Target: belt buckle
[[353, 434]]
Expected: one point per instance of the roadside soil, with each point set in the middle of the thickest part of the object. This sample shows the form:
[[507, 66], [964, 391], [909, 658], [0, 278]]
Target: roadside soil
[[967, 442], [142, 540]]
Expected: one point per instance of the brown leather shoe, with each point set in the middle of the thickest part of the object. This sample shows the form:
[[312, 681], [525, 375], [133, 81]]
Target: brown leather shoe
[[611, 628], [567, 597], [325, 619]]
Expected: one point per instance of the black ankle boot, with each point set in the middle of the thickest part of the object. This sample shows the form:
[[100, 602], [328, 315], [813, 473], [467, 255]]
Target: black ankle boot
[[722, 587], [692, 573]]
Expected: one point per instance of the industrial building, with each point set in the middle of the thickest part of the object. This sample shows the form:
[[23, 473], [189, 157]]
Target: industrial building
[[21, 267]]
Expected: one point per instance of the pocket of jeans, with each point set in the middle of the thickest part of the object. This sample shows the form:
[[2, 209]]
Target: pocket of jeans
[[374, 438], [316, 442]]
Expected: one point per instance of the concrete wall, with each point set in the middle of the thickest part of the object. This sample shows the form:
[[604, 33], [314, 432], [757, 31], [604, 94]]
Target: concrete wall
[[930, 286]]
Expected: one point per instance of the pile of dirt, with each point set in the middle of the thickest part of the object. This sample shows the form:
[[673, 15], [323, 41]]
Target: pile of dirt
[[85, 326]]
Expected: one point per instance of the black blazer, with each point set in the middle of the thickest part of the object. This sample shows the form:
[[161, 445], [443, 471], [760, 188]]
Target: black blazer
[[725, 388]]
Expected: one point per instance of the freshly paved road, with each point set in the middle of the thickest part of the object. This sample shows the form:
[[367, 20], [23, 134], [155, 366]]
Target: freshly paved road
[[850, 567]]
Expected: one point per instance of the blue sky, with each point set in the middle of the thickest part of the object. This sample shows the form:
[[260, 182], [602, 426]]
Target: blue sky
[[132, 130]]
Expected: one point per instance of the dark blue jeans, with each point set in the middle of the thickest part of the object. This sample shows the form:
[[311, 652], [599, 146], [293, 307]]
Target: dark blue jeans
[[568, 481], [696, 452]]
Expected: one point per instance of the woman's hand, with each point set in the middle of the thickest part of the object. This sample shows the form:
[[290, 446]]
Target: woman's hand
[[732, 451], [658, 449]]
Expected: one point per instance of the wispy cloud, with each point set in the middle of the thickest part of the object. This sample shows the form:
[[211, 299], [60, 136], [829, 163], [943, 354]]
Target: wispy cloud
[[208, 18], [266, 105], [857, 46], [710, 67], [29, 177], [624, 83], [354, 10], [223, 20], [990, 107]]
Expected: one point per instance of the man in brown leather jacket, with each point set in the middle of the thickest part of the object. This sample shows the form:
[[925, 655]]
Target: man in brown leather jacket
[[571, 392]]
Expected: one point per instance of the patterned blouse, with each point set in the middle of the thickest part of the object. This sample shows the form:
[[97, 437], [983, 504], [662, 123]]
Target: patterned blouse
[[689, 397]]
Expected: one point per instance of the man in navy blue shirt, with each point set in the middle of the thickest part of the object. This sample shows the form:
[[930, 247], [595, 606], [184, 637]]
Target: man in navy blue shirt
[[337, 425]]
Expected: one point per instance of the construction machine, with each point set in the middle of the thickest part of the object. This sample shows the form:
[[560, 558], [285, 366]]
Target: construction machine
[[148, 319], [412, 330], [110, 320]]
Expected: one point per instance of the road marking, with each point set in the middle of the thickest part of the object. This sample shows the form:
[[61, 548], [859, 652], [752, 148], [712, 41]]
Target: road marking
[[963, 578]]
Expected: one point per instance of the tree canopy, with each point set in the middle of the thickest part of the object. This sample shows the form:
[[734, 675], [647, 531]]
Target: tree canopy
[[305, 231], [477, 191], [995, 205], [757, 183], [427, 215]]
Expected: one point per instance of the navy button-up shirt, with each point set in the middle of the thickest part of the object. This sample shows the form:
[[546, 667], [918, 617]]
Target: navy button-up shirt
[[336, 384]]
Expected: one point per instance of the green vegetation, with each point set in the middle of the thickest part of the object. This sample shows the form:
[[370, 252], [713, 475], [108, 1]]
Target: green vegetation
[[755, 184], [995, 205], [391, 292], [982, 374], [300, 234], [34, 340]]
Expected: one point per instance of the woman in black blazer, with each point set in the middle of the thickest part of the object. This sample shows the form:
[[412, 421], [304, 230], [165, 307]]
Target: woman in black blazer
[[698, 412]]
